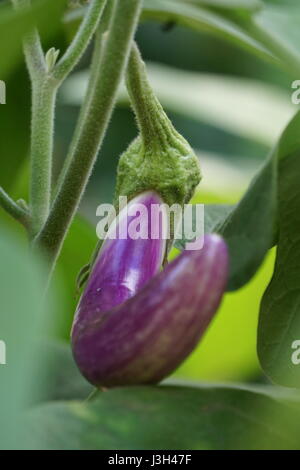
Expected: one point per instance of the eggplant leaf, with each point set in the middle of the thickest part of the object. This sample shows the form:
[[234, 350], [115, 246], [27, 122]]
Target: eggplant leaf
[[252, 226], [246, 5], [204, 20], [21, 293], [204, 16], [279, 325], [247, 227], [168, 417]]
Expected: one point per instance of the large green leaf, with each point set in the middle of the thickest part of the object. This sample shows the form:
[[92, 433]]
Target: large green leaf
[[214, 217], [251, 228], [168, 418], [248, 227], [279, 325]]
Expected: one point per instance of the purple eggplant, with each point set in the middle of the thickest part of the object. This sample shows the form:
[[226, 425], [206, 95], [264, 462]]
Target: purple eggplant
[[134, 324]]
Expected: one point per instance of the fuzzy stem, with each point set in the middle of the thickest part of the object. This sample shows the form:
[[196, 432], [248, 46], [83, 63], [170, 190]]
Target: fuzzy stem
[[112, 65], [42, 129], [81, 40], [12, 208], [155, 127], [97, 53], [32, 45], [43, 99], [34, 54], [44, 89]]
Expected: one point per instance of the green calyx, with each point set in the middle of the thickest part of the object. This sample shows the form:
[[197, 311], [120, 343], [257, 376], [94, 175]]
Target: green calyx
[[172, 171], [159, 159]]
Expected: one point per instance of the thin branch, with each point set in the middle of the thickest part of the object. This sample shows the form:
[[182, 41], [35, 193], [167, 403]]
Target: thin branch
[[97, 53], [81, 40], [111, 69], [32, 46], [12, 208], [42, 131], [34, 54]]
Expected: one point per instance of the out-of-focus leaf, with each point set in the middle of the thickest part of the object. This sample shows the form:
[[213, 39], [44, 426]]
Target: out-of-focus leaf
[[14, 24], [14, 126], [201, 19], [167, 417], [240, 106], [214, 217], [279, 325], [63, 377], [282, 22], [194, 15], [250, 229], [247, 5], [21, 293]]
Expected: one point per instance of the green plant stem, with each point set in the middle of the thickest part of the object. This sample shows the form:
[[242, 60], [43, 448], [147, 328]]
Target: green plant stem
[[81, 40], [34, 54], [154, 125], [12, 208], [43, 101], [45, 83], [44, 92], [32, 46], [97, 53], [111, 68]]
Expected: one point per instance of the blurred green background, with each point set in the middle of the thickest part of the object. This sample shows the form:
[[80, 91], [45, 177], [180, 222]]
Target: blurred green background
[[230, 105]]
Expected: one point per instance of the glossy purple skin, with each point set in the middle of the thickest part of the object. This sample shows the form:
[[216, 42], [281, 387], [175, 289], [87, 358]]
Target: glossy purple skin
[[122, 266], [146, 338]]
